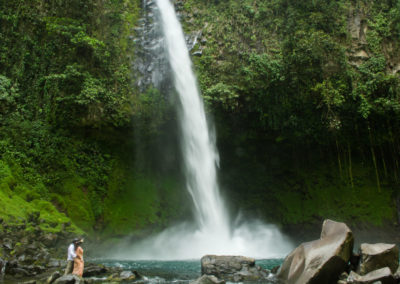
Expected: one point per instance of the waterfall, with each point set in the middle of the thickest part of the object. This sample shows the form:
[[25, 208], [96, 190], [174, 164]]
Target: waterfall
[[199, 153], [212, 233]]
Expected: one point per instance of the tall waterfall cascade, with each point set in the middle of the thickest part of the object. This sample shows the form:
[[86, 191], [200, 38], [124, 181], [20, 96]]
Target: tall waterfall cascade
[[213, 232]]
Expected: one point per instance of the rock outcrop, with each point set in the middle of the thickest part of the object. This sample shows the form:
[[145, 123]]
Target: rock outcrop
[[232, 268], [376, 256], [320, 261]]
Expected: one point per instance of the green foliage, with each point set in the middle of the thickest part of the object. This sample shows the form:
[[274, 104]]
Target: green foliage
[[283, 74], [289, 76], [18, 201], [140, 202]]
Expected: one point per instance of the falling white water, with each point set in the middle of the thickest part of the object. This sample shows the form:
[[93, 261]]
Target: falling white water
[[212, 232]]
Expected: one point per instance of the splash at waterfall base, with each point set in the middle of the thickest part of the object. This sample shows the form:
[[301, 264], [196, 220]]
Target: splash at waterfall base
[[184, 242]]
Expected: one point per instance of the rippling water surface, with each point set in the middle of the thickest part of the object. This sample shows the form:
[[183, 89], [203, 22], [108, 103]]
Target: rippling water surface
[[174, 271]]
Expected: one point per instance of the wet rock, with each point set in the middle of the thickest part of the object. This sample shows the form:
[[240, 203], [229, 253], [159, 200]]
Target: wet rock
[[397, 275], [376, 256], [94, 270], [54, 263], [384, 275], [319, 261], [208, 279], [18, 272], [34, 269], [53, 277], [2, 265], [343, 276], [49, 240], [232, 268], [275, 269], [198, 53], [126, 275], [8, 244], [69, 279]]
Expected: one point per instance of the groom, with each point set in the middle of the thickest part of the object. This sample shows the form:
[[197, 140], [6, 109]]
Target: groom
[[71, 256]]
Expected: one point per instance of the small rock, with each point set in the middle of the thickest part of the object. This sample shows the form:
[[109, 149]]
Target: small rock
[[96, 270], [49, 240], [53, 263], [343, 276], [376, 256], [53, 277], [69, 279], [275, 269], [397, 275], [127, 275], [19, 272], [383, 275], [198, 53], [208, 279], [7, 244], [232, 268]]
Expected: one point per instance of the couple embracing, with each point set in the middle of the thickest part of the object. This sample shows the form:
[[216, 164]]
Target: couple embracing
[[75, 258]]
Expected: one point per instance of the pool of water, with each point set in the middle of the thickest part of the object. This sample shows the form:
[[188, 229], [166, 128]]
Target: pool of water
[[173, 271]]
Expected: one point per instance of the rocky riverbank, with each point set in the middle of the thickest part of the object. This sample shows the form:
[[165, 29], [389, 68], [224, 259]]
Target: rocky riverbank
[[26, 250], [37, 256], [328, 260]]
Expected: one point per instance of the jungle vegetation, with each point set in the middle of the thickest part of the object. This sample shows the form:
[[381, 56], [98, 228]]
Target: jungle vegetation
[[304, 96]]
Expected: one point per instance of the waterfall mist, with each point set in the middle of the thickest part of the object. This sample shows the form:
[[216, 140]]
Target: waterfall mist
[[213, 232]]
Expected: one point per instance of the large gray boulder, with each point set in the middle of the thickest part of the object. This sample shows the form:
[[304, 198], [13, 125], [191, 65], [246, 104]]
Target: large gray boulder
[[384, 275], [319, 261], [232, 268], [208, 279], [376, 256]]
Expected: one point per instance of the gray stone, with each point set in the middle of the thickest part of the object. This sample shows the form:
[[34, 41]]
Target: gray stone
[[53, 277], [232, 268], [319, 261], [384, 275], [19, 272], [54, 263], [397, 274], [126, 274], [49, 240], [94, 270], [376, 256], [7, 244], [69, 279], [2, 265], [208, 279]]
